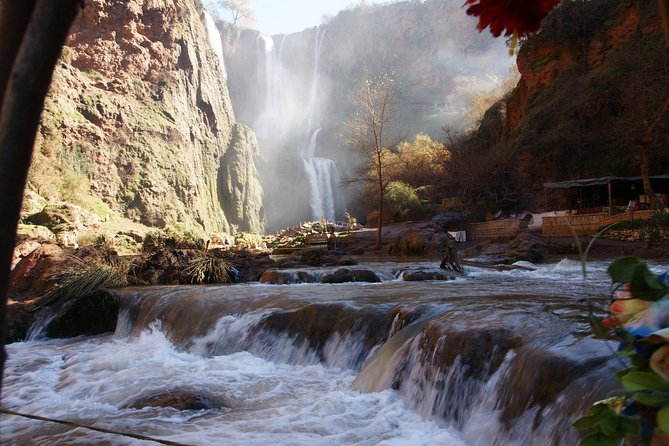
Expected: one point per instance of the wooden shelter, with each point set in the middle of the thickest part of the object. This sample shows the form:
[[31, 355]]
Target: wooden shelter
[[604, 194]]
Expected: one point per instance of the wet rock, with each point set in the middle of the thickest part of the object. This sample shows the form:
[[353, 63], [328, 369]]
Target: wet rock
[[316, 258], [479, 351], [164, 267], [344, 275], [525, 247], [537, 377], [316, 323], [417, 276], [89, 315], [278, 277], [31, 275], [19, 319], [418, 241], [179, 400], [250, 265]]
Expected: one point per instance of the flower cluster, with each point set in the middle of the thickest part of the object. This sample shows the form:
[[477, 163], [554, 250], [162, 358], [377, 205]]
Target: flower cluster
[[639, 316]]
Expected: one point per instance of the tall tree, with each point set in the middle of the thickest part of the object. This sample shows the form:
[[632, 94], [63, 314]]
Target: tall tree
[[366, 132], [32, 33], [240, 11]]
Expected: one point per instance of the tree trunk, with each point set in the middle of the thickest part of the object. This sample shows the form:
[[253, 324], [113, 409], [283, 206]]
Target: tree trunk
[[379, 229], [379, 177], [664, 14], [644, 165], [23, 99]]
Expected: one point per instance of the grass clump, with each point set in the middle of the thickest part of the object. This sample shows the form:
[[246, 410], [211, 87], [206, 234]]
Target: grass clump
[[208, 267], [79, 281]]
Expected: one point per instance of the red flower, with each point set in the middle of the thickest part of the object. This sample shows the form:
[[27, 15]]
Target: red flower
[[510, 16]]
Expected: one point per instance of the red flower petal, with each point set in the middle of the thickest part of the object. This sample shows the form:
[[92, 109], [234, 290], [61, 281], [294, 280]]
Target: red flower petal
[[509, 16]]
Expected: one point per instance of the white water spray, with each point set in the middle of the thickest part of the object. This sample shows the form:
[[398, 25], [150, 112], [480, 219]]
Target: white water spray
[[215, 41]]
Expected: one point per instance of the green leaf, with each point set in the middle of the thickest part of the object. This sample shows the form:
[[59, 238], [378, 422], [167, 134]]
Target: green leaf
[[639, 362], [652, 399], [645, 285], [630, 426], [663, 419], [622, 269], [634, 381], [599, 439], [586, 422], [620, 373]]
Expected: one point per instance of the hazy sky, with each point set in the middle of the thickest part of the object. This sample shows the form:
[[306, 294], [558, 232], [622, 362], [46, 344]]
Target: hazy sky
[[286, 16]]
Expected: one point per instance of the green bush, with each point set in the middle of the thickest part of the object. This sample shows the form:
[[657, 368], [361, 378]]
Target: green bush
[[402, 199], [177, 236]]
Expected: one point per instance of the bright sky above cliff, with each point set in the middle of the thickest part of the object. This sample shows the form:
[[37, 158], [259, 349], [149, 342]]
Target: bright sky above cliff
[[287, 16]]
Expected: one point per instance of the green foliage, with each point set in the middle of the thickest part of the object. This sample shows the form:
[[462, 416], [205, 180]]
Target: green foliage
[[644, 284], [574, 22], [176, 236], [402, 199]]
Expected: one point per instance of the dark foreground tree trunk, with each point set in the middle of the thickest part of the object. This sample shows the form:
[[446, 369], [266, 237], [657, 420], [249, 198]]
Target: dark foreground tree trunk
[[26, 81]]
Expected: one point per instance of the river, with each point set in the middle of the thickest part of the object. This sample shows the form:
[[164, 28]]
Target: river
[[495, 358]]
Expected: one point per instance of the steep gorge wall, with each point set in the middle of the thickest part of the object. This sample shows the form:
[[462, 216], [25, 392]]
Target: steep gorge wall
[[139, 119], [592, 83]]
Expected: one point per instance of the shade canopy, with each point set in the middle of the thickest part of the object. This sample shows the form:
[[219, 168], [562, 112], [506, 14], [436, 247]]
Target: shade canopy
[[598, 181]]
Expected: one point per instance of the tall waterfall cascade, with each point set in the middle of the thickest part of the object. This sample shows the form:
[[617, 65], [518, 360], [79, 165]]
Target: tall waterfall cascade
[[287, 123], [215, 40]]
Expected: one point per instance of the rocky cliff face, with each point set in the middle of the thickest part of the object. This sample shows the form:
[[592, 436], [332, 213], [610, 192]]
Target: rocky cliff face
[[593, 87], [139, 120]]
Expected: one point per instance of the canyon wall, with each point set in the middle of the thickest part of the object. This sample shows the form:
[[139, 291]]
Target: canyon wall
[[139, 122]]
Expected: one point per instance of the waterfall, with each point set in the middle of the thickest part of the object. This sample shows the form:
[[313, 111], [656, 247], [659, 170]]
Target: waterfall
[[323, 179], [321, 172], [215, 41]]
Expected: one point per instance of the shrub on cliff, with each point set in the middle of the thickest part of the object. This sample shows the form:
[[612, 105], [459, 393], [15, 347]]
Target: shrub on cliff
[[176, 236]]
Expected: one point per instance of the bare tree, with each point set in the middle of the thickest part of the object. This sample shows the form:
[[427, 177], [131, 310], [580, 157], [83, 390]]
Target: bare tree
[[32, 33], [241, 13], [367, 134]]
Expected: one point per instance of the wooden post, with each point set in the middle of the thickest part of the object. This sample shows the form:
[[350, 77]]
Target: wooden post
[[610, 199]]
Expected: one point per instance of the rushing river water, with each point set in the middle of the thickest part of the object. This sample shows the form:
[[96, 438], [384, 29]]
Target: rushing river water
[[496, 358]]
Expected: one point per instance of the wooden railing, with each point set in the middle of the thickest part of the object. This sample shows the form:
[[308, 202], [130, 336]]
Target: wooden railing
[[494, 229], [587, 224]]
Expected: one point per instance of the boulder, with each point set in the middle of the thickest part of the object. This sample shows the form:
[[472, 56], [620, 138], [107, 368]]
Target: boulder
[[63, 217], [417, 276], [179, 400], [93, 314], [278, 277], [418, 241], [344, 275], [19, 319], [316, 258], [31, 275]]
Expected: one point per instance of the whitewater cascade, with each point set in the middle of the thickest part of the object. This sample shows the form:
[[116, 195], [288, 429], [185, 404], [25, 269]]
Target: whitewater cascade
[[493, 359], [215, 40]]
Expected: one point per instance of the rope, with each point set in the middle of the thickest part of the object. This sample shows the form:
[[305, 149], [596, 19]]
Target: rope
[[93, 428]]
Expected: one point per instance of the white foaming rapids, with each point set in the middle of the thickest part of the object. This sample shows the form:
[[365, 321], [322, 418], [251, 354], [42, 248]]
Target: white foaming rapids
[[93, 380]]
